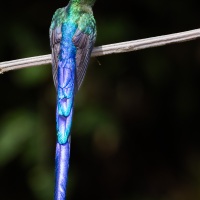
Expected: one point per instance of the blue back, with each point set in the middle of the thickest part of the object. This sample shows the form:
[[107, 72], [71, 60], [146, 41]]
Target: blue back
[[65, 82], [64, 112]]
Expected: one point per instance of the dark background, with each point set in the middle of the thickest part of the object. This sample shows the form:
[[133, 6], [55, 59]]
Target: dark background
[[135, 133]]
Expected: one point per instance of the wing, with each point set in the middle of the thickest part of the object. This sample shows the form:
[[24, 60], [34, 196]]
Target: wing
[[55, 38], [84, 42], [55, 34]]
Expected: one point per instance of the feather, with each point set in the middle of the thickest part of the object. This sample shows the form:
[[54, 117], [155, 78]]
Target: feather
[[55, 38], [84, 44]]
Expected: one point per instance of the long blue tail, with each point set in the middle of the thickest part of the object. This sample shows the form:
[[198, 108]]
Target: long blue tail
[[64, 113], [62, 166]]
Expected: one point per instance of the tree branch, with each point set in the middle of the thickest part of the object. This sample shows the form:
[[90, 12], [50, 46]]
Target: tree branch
[[108, 49]]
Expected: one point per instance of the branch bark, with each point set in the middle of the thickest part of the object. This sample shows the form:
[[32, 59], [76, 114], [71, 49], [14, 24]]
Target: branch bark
[[122, 47]]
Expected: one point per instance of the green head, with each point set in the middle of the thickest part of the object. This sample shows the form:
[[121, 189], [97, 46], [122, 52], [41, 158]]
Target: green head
[[86, 2]]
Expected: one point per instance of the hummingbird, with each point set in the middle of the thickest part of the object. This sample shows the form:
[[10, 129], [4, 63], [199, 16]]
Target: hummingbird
[[72, 37]]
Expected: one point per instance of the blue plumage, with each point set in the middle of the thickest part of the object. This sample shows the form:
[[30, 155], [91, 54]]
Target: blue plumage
[[62, 157], [65, 82], [72, 36]]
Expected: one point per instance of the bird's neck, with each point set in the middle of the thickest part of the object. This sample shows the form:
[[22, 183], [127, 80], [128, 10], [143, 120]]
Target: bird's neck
[[78, 7], [83, 2]]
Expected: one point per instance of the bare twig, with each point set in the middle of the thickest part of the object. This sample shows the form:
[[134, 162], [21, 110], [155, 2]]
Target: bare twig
[[108, 49]]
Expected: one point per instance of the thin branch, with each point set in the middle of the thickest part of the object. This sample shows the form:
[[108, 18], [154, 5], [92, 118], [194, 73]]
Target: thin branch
[[108, 49]]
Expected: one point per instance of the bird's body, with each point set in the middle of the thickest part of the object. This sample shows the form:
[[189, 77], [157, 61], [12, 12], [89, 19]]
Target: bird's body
[[72, 36]]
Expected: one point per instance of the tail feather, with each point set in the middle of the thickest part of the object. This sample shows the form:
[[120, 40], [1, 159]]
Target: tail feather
[[62, 166], [64, 114]]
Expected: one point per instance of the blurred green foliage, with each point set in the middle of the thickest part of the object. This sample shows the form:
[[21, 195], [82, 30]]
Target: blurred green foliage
[[135, 133]]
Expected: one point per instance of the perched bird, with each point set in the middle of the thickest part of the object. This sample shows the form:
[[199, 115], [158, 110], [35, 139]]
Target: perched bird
[[72, 36]]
